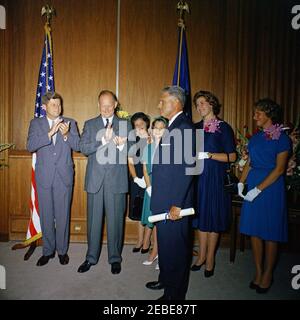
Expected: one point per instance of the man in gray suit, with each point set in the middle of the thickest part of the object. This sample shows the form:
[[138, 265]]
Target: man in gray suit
[[104, 141], [53, 138]]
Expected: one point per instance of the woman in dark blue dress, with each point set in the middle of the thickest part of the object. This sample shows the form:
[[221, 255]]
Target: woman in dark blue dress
[[264, 211], [213, 205]]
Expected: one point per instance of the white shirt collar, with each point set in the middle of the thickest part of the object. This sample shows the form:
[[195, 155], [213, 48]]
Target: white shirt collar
[[110, 119], [50, 121], [174, 117]]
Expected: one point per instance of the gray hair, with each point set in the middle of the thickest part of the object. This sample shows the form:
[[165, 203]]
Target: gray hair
[[177, 92]]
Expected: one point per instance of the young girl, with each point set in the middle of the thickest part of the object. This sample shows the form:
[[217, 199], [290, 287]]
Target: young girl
[[158, 127]]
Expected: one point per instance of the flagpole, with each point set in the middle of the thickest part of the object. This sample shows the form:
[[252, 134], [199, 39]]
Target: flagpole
[[49, 12], [182, 7]]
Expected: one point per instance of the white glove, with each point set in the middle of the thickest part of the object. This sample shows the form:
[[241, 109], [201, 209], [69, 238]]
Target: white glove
[[140, 182], [149, 191], [240, 189], [203, 155], [252, 194]]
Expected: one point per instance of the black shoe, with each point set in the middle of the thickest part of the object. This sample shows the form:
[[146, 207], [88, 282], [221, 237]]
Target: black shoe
[[135, 249], [264, 290], [84, 267], [143, 251], [115, 267], [63, 259], [164, 297], [253, 285], [44, 259], [209, 273], [197, 268], [154, 285]]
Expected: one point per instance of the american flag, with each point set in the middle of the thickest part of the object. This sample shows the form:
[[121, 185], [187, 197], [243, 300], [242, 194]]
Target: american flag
[[45, 84]]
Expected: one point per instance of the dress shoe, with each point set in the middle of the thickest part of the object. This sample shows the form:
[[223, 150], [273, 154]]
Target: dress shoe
[[264, 290], [135, 249], [149, 262], [44, 259], [164, 297], [143, 251], [195, 267], [63, 259], [115, 267], [253, 285], [209, 273], [85, 267], [154, 285]]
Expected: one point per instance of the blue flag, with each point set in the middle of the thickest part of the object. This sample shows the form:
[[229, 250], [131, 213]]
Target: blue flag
[[46, 75], [183, 80]]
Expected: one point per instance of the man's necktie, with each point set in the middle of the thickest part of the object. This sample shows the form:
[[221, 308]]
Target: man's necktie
[[107, 123], [54, 136]]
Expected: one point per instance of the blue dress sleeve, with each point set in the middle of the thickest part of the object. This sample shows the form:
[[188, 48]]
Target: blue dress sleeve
[[227, 138], [284, 143]]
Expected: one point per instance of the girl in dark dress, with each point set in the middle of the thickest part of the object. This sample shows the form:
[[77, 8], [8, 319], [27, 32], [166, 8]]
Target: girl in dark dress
[[140, 123], [213, 204]]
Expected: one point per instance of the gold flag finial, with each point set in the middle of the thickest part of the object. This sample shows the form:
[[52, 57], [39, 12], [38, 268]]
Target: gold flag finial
[[182, 7], [49, 12]]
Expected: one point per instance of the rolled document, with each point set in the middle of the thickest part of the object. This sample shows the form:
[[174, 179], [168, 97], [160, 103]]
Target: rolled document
[[163, 216]]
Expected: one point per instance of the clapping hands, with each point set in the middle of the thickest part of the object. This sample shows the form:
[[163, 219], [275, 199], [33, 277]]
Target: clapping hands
[[64, 127], [54, 128]]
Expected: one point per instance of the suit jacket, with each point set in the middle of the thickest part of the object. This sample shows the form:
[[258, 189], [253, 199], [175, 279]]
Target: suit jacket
[[170, 184], [91, 145], [50, 157]]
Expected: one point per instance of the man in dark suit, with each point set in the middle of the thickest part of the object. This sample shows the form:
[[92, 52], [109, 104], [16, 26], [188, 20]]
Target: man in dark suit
[[104, 141], [53, 138], [172, 191]]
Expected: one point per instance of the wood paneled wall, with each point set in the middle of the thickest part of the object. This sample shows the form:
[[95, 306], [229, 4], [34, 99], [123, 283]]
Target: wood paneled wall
[[240, 50], [4, 128]]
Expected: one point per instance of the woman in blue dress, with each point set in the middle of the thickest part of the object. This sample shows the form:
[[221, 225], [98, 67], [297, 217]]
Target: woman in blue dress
[[213, 205], [264, 211]]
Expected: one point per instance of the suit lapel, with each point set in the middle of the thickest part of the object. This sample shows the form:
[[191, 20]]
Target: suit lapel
[[115, 125], [100, 123]]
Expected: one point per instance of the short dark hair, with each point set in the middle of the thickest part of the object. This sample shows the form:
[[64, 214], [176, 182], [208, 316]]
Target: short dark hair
[[140, 115], [272, 110], [103, 92], [160, 119], [51, 95], [210, 98], [177, 92]]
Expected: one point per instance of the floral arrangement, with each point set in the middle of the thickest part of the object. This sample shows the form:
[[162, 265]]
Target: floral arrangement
[[293, 169], [122, 114], [242, 141], [212, 126]]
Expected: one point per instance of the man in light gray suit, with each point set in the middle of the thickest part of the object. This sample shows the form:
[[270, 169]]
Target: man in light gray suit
[[104, 141], [53, 138]]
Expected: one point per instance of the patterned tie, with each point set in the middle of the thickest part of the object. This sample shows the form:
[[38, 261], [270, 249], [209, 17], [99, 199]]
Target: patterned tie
[[107, 123]]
